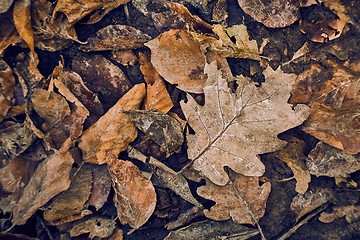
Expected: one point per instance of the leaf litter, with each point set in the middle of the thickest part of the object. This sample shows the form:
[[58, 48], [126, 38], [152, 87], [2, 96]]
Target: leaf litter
[[70, 136]]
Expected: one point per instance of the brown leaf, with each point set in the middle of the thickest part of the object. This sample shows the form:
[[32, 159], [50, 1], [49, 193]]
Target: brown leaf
[[178, 59], [76, 10], [5, 5], [241, 200], [96, 226], [8, 34], [112, 133], [293, 155], [7, 82], [351, 214], [325, 160], [219, 12], [50, 178], [345, 135], [135, 197], [116, 37], [102, 77], [229, 127], [157, 96], [274, 14], [125, 58], [101, 187], [22, 22], [72, 201], [161, 128]]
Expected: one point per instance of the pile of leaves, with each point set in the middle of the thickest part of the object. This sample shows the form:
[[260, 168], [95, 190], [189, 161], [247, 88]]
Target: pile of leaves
[[110, 126]]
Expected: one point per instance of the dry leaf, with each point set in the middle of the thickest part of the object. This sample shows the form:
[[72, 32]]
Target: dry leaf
[[325, 160], [101, 187], [102, 77], [351, 214], [178, 59], [305, 203], [112, 133], [8, 34], [157, 96], [7, 82], [72, 201], [50, 178], [212, 230], [161, 128], [241, 200], [125, 58], [116, 37], [219, 12], [5, 5], [96, 226], [231, 129], [22, 22], [346, 133], [293, 155], [135, 197], [274, 14], [117, 234]]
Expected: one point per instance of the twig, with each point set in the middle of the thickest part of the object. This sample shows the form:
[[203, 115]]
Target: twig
[[45, 227], [302, 222]]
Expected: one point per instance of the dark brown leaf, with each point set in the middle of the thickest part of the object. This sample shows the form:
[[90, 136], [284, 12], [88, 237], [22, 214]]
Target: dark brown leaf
[[101, 187], [7, 82]]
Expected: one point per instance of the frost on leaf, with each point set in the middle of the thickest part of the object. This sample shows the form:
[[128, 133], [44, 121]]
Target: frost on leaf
[[242, 199], [232, 129], [112, 133], [135, 197]]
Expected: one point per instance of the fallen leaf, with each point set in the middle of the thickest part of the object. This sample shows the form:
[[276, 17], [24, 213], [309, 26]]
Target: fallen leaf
[[241, 200], [304, 203], [106, 7], [117, 234], [22, 22], [5, 5], [212, 230], [161, 128], [177, 57], [116, 37], [293, 155], [185, 218], [220, 12], [102, 77], [351, 214], [229, 127], [274, 14], [96, 226], [8, 34], [50, 178], [72, 201], [135, 197], [157, 96], [112, 133], [101, 186], [7, 82], [125, 57], [325, 160]]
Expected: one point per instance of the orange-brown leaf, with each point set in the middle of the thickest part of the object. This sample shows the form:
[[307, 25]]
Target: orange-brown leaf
[[22, 21]]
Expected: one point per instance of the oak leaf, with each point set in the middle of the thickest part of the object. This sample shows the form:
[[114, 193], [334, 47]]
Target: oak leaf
[[241, 200], [112, 133], [231, 129], [135, 197], [177, 57]]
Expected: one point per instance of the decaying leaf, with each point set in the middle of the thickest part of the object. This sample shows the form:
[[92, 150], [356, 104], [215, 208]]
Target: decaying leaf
[[7, 82], [293, 155], [50, 178], [274, 14], [22, 22], [96, 226], [101, 187], [178, 59], [305, 203], [325, 160], [102, 77], [157, 96], [351, 214], [231, 129], [212, 230], [160, 127], [135, 196], [219, 12], [116, 37], [72, 201], [241, 200], [112, 133]]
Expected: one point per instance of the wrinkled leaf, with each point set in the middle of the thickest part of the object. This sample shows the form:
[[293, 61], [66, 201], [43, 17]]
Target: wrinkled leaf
[[178, 59], [231, 129], [351, 214], [101, 187], [241, 200], [135, 197], [112, 133], [325, 160], [157, 96], [96, 226], [116, 37], [161, 128], [50, 178], [274, 14]]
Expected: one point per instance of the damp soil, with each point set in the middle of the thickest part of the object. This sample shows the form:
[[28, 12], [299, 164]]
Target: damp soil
[[278, 218]]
